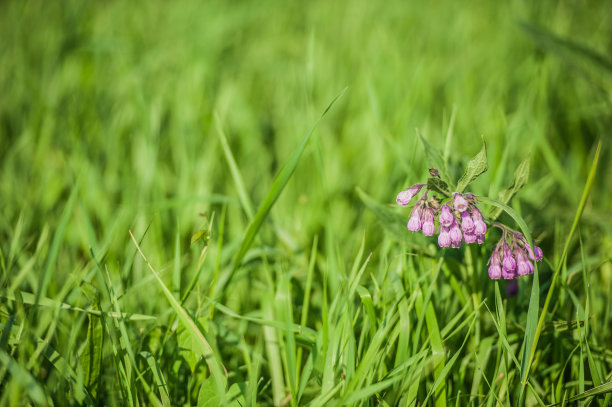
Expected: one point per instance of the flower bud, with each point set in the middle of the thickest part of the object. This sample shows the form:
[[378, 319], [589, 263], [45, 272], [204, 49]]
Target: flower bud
[[539, 254], [404, 197], [459, 203]]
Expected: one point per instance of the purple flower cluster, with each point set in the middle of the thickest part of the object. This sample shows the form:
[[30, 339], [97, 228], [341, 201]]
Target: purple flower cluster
[[459, 218], [513, 256]]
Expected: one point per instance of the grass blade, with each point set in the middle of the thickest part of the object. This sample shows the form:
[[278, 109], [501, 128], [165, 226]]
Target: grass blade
[[585, 194], [273, 193], [202, 344], [21, 375]]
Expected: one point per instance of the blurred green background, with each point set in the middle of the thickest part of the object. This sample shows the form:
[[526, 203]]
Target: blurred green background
[[124, 102]]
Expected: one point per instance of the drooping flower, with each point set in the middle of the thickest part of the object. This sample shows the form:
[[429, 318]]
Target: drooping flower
[[404, 197], [446, 216], [459, 202], [414, 224], [523, 265], [428, 222], [495, 271], [444, 239], [480, 228], [539, 254], [508, 263], [469, 237], [455, 235], [467, 224]]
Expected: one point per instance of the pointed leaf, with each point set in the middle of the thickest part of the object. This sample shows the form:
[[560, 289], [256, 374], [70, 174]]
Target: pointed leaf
[[475, 167], [521, 175], [92, 354], [273, 193], [438, 185]]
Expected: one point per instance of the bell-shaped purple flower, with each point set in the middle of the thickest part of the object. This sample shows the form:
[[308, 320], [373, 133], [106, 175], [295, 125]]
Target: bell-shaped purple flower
[[414, 224], [480, 239], [459, 203], [508, 263], [428, 222], [523, 265], [455, 235], [404, 197], [480, 228], [476, 214], [539, 254], [469, 237], [429, 229], [444, 239], [446, 216], [495, 270], [467, 224]]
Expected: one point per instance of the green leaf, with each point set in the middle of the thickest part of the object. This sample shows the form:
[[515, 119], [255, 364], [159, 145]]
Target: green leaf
[[595, 391], [273, 193], [33, 389], [160, 381], [434, 158], [531, 343], [438, 185], [475, 167], [188, 348], [92, 354], [200, 235], [521, 175]]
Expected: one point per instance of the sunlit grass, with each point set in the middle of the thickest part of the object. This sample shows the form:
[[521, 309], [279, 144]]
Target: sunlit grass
[[302, 285]]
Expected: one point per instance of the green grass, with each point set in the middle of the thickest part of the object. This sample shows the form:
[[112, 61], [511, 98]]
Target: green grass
[[277, 135]]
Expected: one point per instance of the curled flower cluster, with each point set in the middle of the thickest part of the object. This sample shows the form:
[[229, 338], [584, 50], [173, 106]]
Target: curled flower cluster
[[513, 256], [459, 218]]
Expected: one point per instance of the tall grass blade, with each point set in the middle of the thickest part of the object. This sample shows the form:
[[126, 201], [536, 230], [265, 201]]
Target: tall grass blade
[[530, 348], [273, 193], [202, 345], [45, 277]]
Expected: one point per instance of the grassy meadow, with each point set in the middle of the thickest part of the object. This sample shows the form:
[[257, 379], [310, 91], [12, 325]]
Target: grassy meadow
[[197, 203]]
